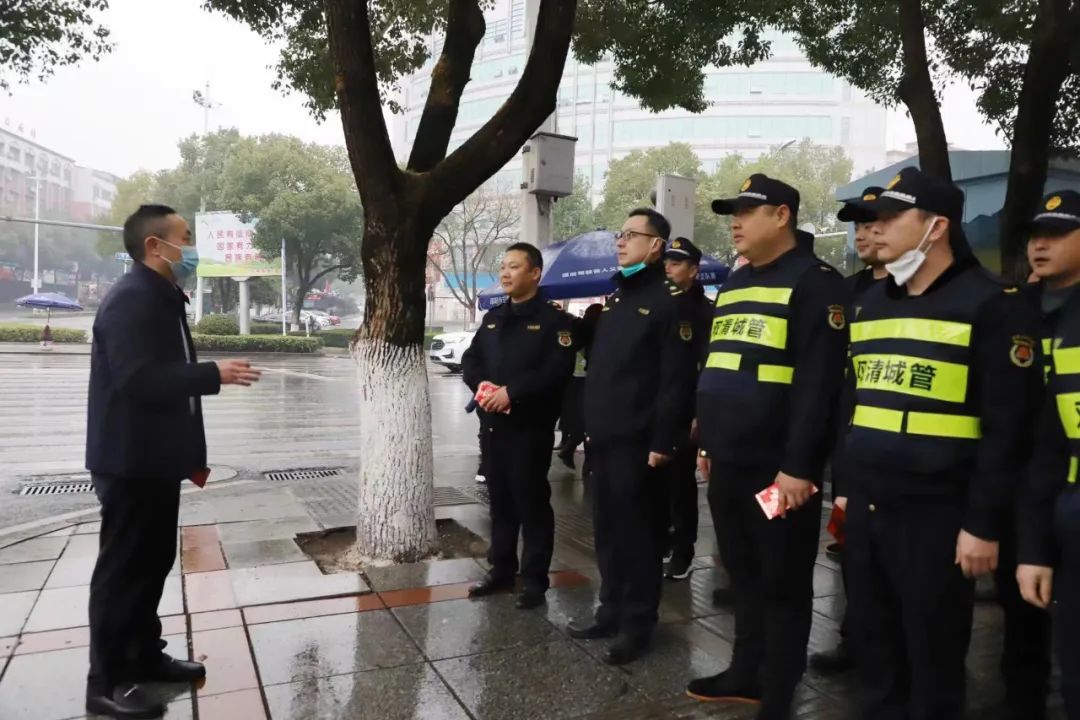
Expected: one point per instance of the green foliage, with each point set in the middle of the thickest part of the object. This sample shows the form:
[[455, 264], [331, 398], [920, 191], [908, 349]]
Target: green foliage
[[39, 36], [575, 214], [17, 333], [336, 337], [218, 325], [256, 343], [630, 179]]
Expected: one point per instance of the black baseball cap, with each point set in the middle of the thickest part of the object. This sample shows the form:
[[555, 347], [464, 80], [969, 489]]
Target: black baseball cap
[[913, 189], [682, 249], [757, 190], [858, 211], [1059, 214]]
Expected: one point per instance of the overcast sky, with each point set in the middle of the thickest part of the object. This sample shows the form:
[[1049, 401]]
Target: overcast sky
[[128, 111]]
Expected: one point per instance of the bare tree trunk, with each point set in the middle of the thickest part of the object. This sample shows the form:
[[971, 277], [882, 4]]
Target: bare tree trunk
[[917, 92], [1045, 73]]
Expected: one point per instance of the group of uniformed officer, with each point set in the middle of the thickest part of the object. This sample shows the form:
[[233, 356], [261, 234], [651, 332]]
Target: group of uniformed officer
[[920, 378]]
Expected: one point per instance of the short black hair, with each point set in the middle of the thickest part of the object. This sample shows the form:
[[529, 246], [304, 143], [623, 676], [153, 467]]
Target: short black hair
[[536, 260], [658, 222], [146, 221]]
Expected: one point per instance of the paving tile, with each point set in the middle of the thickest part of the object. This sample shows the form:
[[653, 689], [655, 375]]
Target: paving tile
[[827, 581], [422, 596], [722, 624], [291, 581], [72, 571], [209, 591], [60, 608], [302, 650], [246, 704], [52, 685], [81, 546], [91, 528], [25, 576], [7, 646], [549, 680], [312, 608], [424, 574], [254, 530], [215, 620], [228, 660], [33, 550], [402, 693], [14, 609], [270, 505], [262, 552], [62, 532], [465, 627], [680, 652], [50, 640], [200, 549]]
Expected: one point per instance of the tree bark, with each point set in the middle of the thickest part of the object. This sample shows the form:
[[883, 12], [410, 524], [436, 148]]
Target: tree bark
[[1046, 71], [396, 517], [917, 92]]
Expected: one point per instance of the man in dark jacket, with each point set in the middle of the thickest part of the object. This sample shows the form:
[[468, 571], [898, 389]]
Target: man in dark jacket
[[638, 407], [526, 348], [682, 260], [144, 436]]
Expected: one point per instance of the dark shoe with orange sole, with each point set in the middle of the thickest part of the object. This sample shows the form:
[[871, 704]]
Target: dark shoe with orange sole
[[724, 688]]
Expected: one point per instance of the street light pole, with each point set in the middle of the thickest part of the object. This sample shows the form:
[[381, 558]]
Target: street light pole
[[37, 230], [203, 100]]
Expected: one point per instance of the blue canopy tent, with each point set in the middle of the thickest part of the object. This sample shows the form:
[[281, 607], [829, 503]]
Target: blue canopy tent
[[583, 266]]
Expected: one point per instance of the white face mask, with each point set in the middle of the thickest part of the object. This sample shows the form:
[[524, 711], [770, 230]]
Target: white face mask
[[904, 267]]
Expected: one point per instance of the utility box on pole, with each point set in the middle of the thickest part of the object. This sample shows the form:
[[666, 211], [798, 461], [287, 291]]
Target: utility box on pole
[[675, 199], [549, 165]]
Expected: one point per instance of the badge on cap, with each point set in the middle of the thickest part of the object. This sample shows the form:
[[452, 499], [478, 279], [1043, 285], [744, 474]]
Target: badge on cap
[[869, 197], [676, 245], [686, 331], [836, 317], [893, 183], [1053, 203], [564, 339], [1022, 352], [745, 185]]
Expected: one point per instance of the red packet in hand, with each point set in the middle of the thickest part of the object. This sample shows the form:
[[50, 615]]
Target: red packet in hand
[[199, 477], [485, 390], [837, 520], [769, 500]]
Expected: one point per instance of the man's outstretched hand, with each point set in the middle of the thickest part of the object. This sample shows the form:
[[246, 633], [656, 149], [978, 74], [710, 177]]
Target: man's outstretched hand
[[238, 372]]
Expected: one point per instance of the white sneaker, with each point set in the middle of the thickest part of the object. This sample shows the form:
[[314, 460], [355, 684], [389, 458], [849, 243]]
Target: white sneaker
[[480, 479]]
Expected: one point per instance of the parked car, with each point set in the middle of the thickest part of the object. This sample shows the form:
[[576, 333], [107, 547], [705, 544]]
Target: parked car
[[323, 315], [447, 349]]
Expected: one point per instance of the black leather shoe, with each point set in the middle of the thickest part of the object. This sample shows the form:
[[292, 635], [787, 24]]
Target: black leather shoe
[[530, 598], [126, 701], [833, 661], [626, 649], [724, 688], [172, 670], [723, 597], [489, 586], [590, 630]]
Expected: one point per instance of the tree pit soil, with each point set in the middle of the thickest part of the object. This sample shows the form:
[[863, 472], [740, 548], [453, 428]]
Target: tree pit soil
[[334, 550]]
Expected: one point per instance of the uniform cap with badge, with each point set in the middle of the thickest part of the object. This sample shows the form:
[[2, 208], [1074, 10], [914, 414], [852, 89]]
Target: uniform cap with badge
[[856, 211], [757, 190], [1058, 214], [682, 249]]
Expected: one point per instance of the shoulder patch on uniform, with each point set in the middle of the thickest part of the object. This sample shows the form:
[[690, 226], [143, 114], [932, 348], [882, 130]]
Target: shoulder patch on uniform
[[565, 339], [837, 321], [1022, 352], [686, 331]]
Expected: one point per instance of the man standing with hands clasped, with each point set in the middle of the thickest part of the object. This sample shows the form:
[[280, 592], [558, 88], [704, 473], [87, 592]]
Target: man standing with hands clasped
[[946, 379], [144, 436], [765, 405], [526, 348]]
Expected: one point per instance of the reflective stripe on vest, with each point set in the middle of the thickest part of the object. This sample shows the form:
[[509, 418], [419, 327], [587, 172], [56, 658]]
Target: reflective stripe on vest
[[751, 328], [765, 373], [917, 423], [1073, 463], [921, 377], [1067, 361], [934, 331], [771, 296], [1048, 358]]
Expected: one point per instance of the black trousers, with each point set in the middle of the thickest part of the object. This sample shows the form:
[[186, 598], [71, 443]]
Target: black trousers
[[517, 461], [771, 565], [1025, 660], [1067, 600], [630, 519], [909, 606], [137, 547], [683, 502]]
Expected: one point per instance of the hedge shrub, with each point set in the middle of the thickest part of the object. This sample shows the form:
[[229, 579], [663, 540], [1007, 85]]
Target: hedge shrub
[[218, 325], [32, 334], [256, 343]]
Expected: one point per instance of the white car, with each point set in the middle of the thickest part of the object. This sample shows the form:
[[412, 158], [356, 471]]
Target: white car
[[447, 349]]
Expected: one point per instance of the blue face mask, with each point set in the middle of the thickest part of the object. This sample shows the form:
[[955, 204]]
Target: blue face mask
[[185, 267], [632, 269]]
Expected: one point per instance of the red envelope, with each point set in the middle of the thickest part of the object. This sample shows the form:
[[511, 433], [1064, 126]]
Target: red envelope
[[769, 500], [837, 521], [199, 477]]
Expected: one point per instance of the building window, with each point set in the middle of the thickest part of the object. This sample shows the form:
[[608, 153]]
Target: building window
[[845, 131]]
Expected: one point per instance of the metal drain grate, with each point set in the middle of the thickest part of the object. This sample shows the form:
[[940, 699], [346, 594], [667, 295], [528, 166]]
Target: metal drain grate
[[447, 496], [308, 474], [57, 488]]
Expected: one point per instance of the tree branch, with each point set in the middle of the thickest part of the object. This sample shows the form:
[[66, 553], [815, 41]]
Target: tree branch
[[533, 100], [357, 87], [917, 91], [464, 30]]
